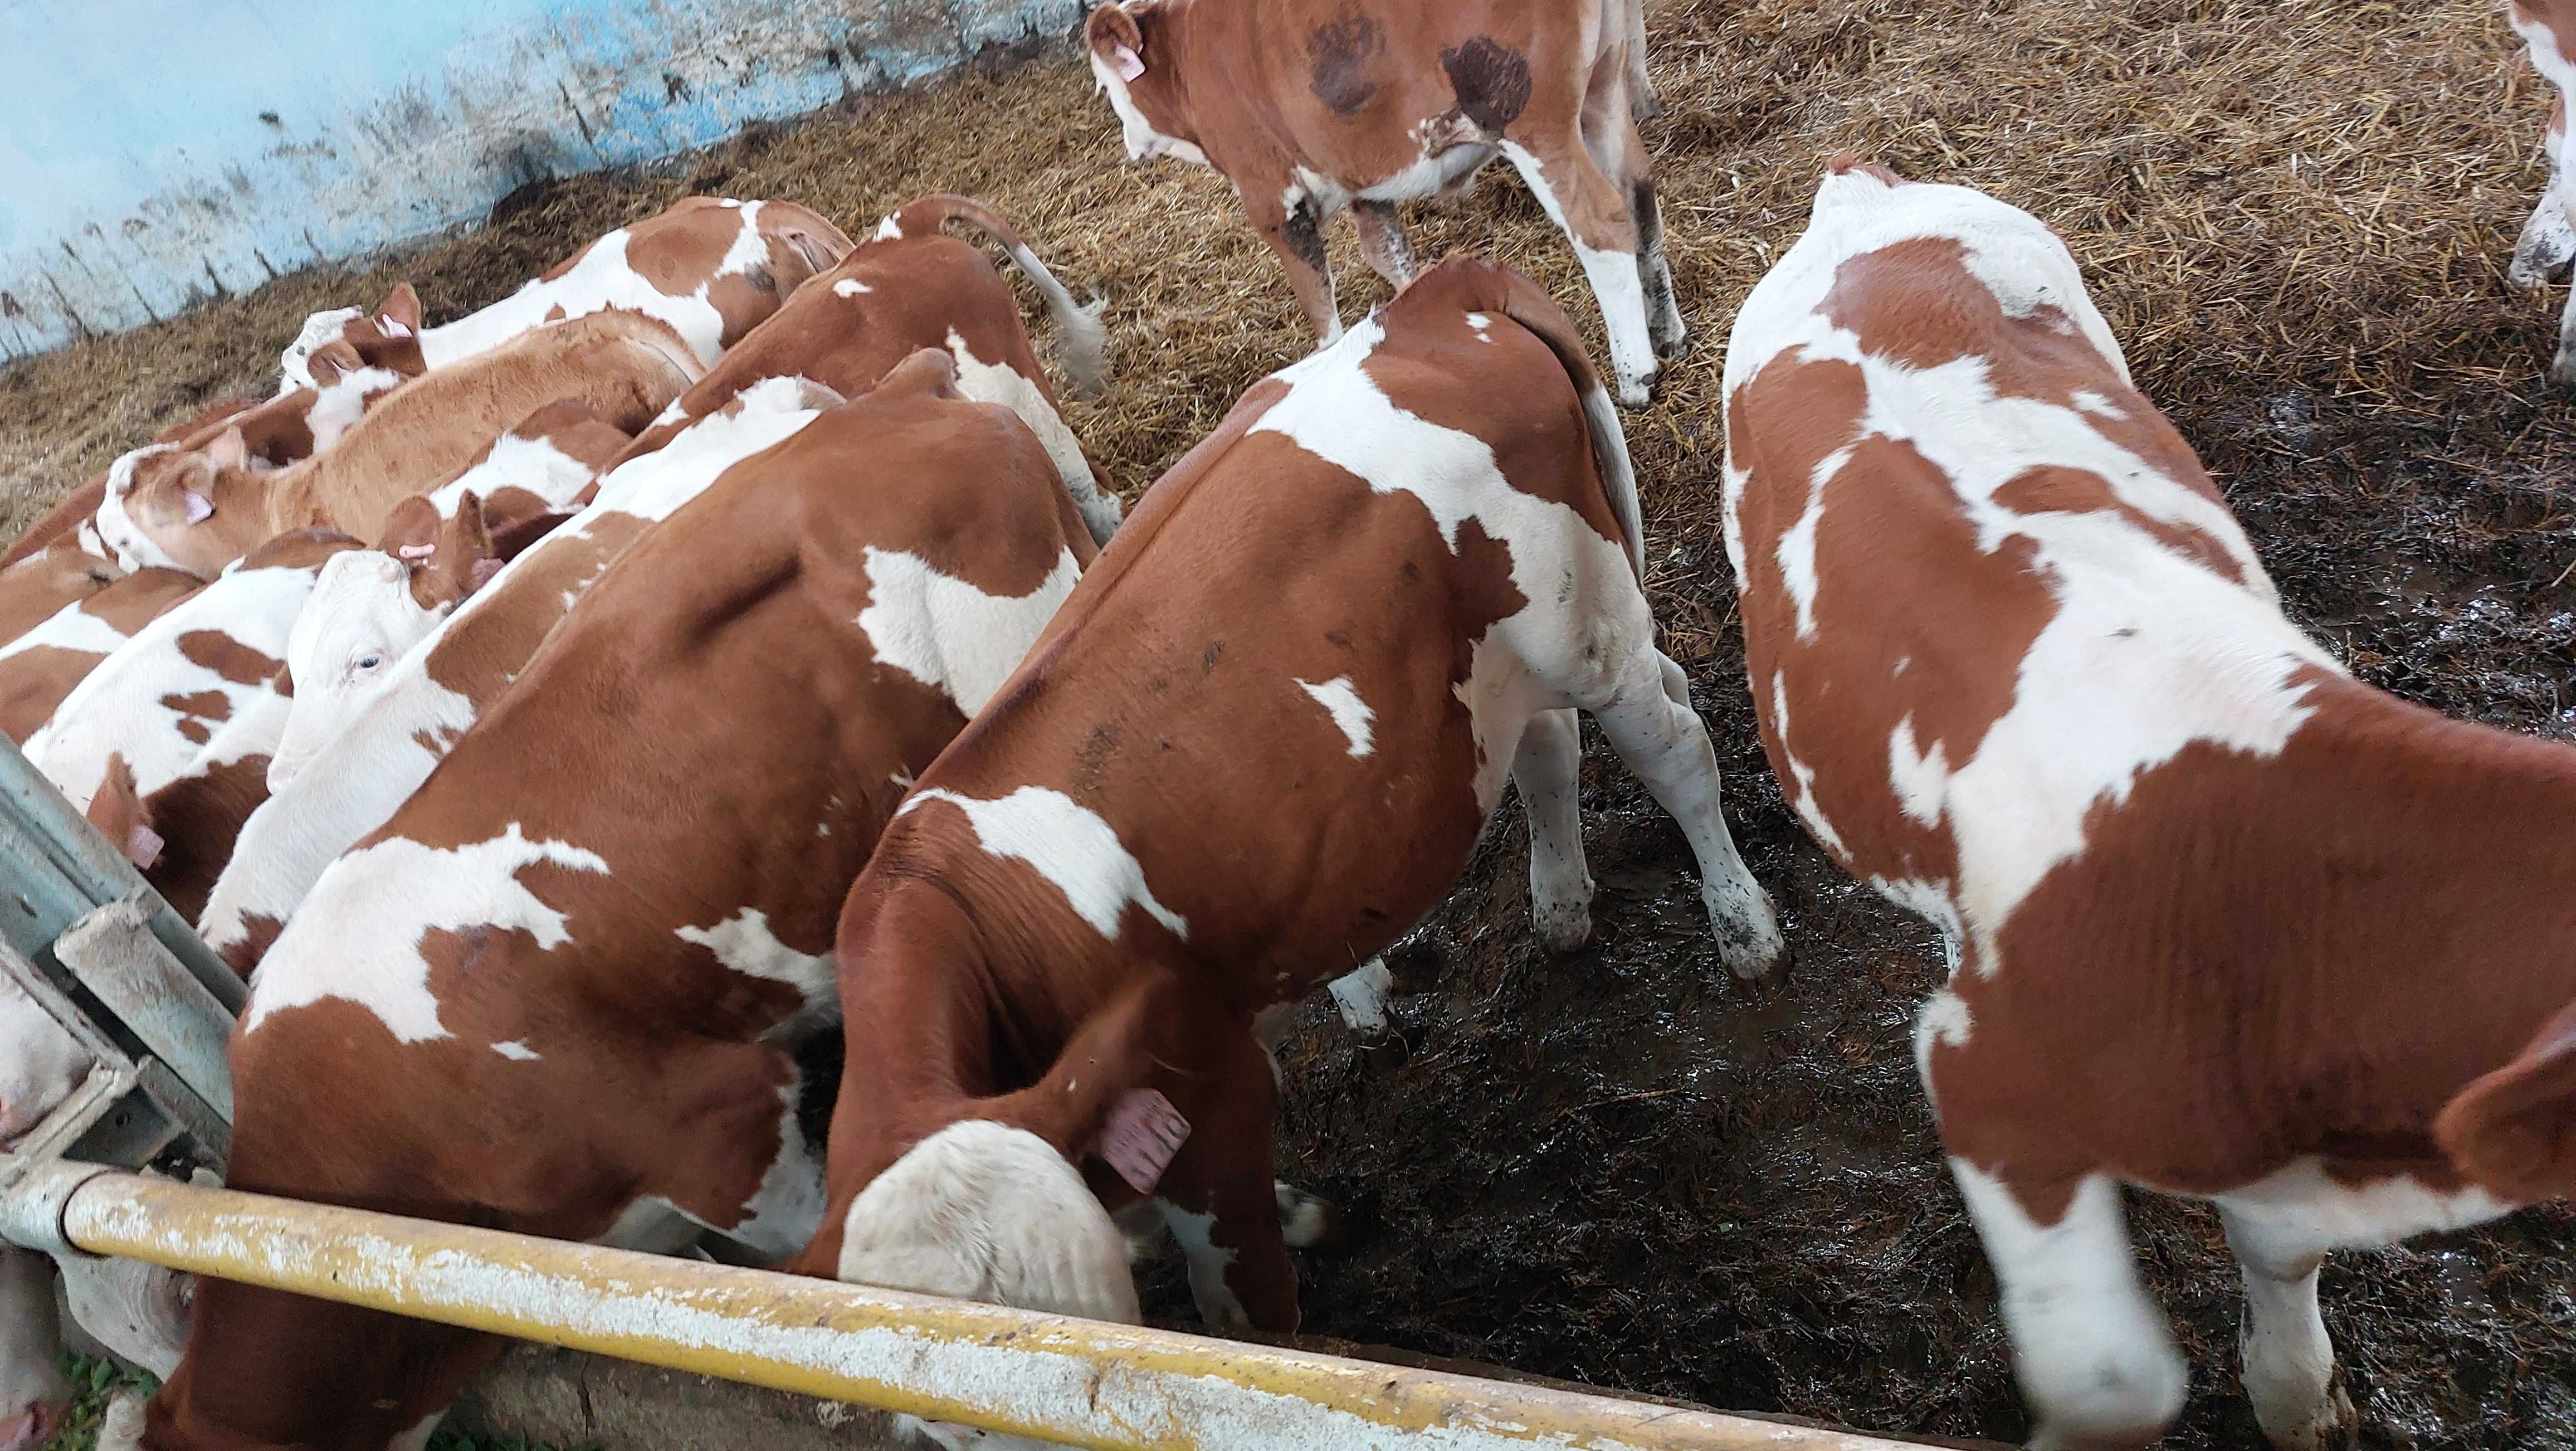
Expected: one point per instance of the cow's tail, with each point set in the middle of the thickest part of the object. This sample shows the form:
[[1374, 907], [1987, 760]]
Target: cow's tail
[[1086, 340], [1521, 300], [2513, 1131]]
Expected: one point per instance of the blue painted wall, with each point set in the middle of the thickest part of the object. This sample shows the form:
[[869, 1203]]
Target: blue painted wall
[[155, 151]]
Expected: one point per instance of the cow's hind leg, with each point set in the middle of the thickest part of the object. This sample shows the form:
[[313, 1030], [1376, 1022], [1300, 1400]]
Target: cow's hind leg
[[1641, 86], [1294, 228], [2290, 1371], [1549, 771], [1610, 135], [2096, 1361], [1666, 744], [1594, 214], [2548, 240]]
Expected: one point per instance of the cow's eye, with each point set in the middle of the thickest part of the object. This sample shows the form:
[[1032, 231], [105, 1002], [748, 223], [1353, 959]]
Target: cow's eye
[[370, 661]]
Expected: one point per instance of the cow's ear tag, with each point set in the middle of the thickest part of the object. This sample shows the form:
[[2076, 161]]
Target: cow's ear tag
[[1130, 64], [1143, 1133]]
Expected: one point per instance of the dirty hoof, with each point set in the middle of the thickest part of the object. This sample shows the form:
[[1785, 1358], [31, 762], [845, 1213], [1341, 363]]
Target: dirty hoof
[[1562, 926], [1748, 933], [2333, 1426], [1307, 1221], [1360, 996], [1670, 343]]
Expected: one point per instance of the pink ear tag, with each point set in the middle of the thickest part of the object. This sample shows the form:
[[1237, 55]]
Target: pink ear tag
[[200, 508], [417, 551], [391, 326], [1130, 64], [142, 846], [1143, 1133]]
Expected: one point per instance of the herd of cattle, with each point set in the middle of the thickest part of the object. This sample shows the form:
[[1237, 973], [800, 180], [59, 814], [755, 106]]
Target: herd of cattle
[[566, 713]]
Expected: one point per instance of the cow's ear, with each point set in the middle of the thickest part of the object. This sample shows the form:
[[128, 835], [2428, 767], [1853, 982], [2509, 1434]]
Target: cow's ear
[[399, 315], [411, 528], [119, 813], [1115, 37], [328, 363], [230, 450]]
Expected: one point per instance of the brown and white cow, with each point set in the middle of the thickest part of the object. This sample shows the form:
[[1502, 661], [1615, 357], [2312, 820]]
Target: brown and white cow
[[908, 286], [44, 665], [557, 985], [181, 835], [159, 698], [332, 787], [43, 583], [711, 269], [2223, 922], [199, 511], [1309, 106], [1258, 745], [2548, 243], [275, 432], [63, 521]]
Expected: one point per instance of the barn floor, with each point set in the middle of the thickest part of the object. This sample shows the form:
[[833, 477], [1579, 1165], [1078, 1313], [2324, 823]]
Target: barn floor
[[1614, 1167]]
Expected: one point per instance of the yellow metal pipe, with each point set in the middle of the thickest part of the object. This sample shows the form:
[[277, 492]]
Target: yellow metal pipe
[[1079, 1382]]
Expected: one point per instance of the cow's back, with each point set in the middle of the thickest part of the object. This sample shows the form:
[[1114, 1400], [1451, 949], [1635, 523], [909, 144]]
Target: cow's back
[[625, 366]]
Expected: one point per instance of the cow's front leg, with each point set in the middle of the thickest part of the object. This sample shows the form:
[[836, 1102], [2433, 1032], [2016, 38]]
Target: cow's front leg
[[1220, 1201], [1293, 225], [1382, 241]]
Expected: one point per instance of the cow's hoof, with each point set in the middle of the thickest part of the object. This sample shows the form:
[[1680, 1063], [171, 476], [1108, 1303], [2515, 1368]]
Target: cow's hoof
[[1307, 1221], [1561, 926], [1669, 344]]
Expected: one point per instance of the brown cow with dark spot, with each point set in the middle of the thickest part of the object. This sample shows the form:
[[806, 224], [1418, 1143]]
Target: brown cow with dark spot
[[1309, 106], [1258, 744], [2223, 922], [556, 992]]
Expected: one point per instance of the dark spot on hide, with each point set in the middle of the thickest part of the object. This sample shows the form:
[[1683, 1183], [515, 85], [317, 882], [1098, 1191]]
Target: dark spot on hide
[[1338, 53], [1091, 758], [1305, 234], [1492, 82], [1208, 657]]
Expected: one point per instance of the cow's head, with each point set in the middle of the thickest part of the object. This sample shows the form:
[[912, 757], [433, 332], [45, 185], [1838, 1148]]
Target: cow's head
[[397, 320], [1140, 76], [188, 509], [35, 587], [370, 608]]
